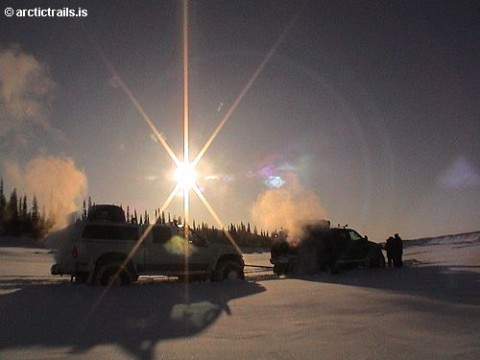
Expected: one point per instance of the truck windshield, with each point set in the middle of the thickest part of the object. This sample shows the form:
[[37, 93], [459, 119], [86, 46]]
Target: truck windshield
[[355, 236]]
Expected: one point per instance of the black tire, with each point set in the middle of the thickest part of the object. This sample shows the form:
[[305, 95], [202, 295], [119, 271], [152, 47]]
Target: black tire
[[376, 260], [229, 270], [81, 278], [112, 274], [330, 266], [333, 269]]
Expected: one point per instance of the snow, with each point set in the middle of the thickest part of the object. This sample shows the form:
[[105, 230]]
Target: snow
[[428, 309]]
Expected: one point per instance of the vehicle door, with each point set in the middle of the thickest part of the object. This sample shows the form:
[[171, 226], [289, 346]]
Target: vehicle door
[[159, 254], [358, 246], [201, 254], [167, 251]]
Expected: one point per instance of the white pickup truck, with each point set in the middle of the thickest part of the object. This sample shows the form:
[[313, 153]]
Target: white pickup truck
[[109, 251]]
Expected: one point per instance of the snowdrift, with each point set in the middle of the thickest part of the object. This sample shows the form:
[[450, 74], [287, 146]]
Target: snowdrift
[[428, 309]]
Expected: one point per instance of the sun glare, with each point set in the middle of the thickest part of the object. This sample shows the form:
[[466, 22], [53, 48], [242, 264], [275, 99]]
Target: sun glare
[[185, 175]]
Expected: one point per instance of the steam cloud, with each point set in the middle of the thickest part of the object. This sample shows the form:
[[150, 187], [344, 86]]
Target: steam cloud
[[25, 90], [56, 182], [288, 207]]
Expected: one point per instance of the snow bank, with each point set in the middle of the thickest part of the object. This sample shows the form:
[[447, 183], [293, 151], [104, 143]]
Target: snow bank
[[466, 238], [428, 309]]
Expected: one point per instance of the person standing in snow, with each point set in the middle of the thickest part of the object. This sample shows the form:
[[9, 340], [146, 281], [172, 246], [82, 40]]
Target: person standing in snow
[[389, 245], [397, 251]]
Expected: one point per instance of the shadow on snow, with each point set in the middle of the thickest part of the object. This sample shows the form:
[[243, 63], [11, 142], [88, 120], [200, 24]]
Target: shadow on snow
[[456, 285], [134, 318]]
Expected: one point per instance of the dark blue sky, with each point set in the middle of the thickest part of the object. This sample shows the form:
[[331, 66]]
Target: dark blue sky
[[370, 108]]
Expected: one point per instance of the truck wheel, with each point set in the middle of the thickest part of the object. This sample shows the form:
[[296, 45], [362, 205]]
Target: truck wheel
[[229, 270], [333, 269], [375, 261], [330, 266], [112, 275], [81, 278]]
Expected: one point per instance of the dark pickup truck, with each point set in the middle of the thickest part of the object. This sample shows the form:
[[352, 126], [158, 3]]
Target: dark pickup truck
[[325, 249]]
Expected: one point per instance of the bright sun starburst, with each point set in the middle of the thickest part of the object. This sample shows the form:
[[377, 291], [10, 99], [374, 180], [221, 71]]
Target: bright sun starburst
[[185, 176]]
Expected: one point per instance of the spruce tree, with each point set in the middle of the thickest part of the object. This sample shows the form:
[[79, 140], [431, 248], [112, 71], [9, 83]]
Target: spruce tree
[[3, 209], [24, 209], [34, 212], [12, 214]]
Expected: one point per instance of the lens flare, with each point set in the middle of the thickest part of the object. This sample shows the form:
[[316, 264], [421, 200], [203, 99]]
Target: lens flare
[[185, 176]]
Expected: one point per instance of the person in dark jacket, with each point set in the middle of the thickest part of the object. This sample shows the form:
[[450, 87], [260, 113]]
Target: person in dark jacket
[[389, 245], [397, 251]]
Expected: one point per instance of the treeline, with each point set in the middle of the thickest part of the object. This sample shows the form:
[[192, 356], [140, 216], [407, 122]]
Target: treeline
[[18, 218], [242, 234]]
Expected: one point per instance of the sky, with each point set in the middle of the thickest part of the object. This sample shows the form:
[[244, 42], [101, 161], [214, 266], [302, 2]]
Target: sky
[[360, 112]]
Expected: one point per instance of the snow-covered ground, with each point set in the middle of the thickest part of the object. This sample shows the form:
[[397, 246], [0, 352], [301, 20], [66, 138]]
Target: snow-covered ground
[[429, 309]]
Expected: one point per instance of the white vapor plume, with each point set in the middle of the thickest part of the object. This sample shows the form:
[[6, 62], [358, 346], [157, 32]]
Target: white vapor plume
[[25, 90], [288, 207], [56, 182]]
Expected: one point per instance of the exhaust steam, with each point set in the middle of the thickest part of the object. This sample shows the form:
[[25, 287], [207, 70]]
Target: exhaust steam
[[289, 207], [56, 182]]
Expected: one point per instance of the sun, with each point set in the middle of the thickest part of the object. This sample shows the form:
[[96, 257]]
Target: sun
[[185, 176]]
